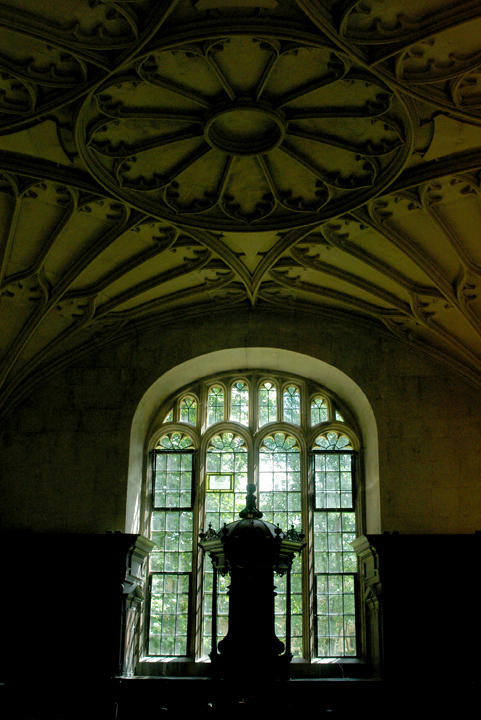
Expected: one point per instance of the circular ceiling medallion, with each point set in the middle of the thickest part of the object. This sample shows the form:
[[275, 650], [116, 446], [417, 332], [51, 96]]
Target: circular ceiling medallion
[[244, 128], [245, 133]]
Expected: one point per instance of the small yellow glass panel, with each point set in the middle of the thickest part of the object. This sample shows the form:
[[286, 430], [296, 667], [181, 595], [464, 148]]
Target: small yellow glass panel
[[220, 483]]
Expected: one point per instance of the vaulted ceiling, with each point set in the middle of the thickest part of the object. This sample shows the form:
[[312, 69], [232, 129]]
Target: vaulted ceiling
[[160, 158]]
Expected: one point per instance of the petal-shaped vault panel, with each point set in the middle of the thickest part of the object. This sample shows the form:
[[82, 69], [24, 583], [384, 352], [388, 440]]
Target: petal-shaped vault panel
[[245, 133]]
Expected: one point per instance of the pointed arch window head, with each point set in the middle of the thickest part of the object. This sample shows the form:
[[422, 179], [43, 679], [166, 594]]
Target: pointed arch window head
[[226, 469], [333, 441], [188, 410], [174, 441], [319, 410], [292, 405], [215, 404], [240, 402], [267, 403]]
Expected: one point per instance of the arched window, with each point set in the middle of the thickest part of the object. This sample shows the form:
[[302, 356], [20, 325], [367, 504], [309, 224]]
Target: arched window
[[299, 445]]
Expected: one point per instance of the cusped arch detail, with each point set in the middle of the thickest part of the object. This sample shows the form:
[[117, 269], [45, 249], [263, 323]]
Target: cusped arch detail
[[241, 359]]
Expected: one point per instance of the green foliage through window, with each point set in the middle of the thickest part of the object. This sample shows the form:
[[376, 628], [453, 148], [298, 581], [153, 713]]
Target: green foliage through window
[[188, 410], [240, 403], [267, 403], [199, 478], [216, 405]]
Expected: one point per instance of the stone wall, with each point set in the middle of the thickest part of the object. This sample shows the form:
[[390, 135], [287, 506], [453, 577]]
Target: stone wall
[[66, 445]]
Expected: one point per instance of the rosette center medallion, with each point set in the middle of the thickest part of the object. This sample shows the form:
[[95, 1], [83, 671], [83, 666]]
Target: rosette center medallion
[[244, 128], [241, 132]]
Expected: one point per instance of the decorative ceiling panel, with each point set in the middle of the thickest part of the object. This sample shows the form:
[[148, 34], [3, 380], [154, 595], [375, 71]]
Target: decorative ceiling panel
[[167, 158]]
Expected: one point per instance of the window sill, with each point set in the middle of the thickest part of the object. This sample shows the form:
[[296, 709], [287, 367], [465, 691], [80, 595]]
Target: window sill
[[299, 669]]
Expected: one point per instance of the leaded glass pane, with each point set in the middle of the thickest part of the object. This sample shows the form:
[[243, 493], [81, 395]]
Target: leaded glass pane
[[169, 614], [319, 410], [333, 480], [267, 403], [292, 405], [215, 404], [333, 533], [336, 615], [188, 410], [170, 416], [339, 417], [171, 558], [172, 481], [226, 454], [240, 402], [280, 501], [171, 530], [334, 526], [279, 491], [171, 565]]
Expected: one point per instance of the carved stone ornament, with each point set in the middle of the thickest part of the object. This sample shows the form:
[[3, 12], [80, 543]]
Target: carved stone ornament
[[169, 158], [244, 132]]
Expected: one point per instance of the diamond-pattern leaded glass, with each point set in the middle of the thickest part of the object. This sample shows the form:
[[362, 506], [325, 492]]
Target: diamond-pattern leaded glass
[[336, 615], [215, 405], [319, 410], [267, 403], [240, 402], [292, 405], [188, 410]]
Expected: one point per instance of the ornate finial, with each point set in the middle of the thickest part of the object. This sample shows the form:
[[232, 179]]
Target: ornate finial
[[295, 535], [250, 510], [209, 535]]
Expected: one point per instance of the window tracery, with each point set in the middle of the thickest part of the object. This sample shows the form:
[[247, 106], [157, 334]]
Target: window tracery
[[188, 410], [292, 405], [240, 402], [215, 404], [304, 466]]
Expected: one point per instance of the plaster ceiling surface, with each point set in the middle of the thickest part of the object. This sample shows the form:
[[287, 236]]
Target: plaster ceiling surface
[[161, 158]]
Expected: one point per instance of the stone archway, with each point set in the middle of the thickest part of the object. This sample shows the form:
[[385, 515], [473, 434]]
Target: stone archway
[[250, 358]]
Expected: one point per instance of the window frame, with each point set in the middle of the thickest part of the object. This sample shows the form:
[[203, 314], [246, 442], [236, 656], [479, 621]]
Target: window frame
[[254, 434]]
